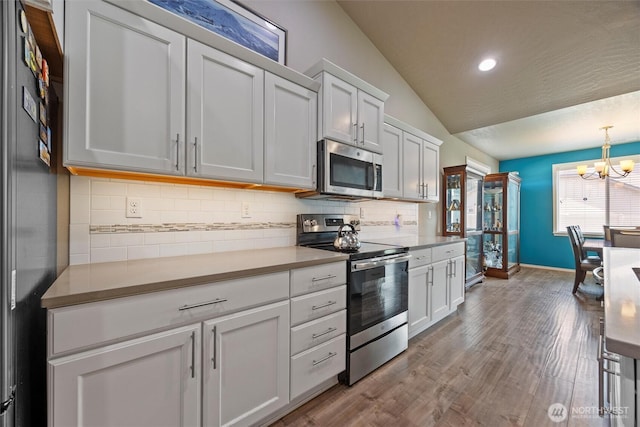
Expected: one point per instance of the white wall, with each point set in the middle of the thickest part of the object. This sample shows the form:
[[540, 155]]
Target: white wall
[[318, 29]]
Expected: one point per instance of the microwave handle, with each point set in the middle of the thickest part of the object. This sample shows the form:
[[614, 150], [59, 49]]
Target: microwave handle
[[375, 177]]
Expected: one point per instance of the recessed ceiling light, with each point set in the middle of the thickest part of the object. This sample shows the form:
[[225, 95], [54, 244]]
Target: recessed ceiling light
[[487, 64]]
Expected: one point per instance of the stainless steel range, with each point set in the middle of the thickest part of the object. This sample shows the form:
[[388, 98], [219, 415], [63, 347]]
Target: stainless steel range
[[377, 286]]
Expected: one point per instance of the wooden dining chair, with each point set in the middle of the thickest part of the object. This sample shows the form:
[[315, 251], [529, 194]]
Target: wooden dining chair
[[629, 238], [582, 263]]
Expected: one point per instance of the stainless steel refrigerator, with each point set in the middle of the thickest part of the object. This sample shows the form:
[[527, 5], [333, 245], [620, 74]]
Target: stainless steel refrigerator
[[28, 202]]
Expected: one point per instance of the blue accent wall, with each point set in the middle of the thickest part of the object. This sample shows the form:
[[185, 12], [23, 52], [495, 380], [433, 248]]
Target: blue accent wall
[[538, 245]]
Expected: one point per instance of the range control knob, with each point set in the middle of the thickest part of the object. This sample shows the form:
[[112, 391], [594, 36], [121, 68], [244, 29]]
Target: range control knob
[[313, 222]]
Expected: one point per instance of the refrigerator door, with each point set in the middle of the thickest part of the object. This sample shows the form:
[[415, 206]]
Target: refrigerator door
[[7, 375]]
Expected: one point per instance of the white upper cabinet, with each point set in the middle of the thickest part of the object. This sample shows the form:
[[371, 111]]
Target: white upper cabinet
[[392, 166], [225, 116], [350, 110], [144, 98], [430, 171], [290, 133], [418, 168], [339, 110], [125, 101], [412, 160], [370, 121]]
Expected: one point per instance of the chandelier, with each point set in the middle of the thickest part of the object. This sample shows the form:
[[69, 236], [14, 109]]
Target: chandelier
[[604, 168]]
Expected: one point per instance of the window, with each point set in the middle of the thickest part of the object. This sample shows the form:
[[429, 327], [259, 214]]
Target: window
[[595, 202]]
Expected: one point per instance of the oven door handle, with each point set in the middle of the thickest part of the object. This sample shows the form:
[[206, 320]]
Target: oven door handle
[[378, 262]]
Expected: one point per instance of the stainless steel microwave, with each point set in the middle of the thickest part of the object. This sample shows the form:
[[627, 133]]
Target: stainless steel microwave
[[346, 171]]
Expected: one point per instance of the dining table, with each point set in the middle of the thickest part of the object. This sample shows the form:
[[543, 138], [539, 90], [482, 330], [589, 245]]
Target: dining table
[[595, 245]]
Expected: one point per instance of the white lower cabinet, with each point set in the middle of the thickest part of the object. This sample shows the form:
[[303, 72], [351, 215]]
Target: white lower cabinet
[[245, 365], [319, 325], [150, 381], [436, 285]]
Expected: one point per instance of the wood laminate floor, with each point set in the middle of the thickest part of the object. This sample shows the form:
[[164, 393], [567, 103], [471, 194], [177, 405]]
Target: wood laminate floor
[[513, 348]]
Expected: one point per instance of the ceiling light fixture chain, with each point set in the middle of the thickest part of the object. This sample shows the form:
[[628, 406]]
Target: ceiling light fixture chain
[[603, 168]]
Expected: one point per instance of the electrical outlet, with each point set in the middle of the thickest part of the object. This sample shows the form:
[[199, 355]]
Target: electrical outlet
[[134, 207], [246, 210]]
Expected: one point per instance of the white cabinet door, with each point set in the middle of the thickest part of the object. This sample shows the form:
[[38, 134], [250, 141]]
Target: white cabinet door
[[339, 110], [456, 281], [430, 171], [412, 171], [125, 102], [246, 365], [370, 121], [419, 304], [290, 133], [225, 116], [440, 291], [392, 161], [150, 381]]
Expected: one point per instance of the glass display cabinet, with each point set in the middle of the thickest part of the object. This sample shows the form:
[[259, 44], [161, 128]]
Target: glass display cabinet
[[501, 224], [462, 215]]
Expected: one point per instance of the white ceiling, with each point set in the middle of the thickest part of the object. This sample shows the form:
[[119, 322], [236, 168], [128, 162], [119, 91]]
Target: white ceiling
[[565, 68]]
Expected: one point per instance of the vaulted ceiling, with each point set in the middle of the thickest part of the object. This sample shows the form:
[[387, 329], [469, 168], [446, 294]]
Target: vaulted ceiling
[[564, 68]]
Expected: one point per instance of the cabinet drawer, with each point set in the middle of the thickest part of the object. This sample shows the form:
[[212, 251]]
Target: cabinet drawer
[[319, 364], [89, 324], [316, 278], [447, 251], [318, 304], [316, 332], [420, 257]]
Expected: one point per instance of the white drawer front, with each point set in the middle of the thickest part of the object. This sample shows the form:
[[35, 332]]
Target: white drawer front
[[318, 304], [85, 325], [420, 257], [317, 331], [316, 278], [319, 364], [447, 251]]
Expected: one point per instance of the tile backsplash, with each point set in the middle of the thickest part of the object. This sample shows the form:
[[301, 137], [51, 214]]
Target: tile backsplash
[[182, 219]]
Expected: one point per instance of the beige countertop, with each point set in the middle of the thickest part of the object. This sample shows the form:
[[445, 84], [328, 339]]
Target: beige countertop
[[622, 301], [417, 242], [84, 283]]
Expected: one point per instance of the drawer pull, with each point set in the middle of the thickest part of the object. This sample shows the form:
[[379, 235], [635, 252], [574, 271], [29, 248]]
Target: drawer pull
[[318, 307], [327, 357], [328, 331], [202, 304], [317, 279]]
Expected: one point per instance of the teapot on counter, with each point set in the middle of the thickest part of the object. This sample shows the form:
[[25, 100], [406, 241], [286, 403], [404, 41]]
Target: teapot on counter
[[347, 240]]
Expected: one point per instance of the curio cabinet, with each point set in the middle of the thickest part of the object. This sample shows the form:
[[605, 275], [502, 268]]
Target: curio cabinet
[[462, 215], [501, 224]]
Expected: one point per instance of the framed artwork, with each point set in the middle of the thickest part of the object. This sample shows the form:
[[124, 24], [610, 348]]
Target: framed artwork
[[234, 21]]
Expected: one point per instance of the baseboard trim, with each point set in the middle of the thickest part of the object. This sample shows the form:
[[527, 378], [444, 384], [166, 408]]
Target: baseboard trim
[[546, 267]]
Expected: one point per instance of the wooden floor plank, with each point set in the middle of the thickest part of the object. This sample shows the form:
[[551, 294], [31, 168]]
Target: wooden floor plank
[[514, 348]]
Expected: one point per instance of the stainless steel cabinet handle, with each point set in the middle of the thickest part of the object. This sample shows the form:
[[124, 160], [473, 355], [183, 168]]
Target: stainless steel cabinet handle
[[177, 151], [431, 275], [328, 331], [317, 279], [318, 307], [195, 155], [603, 356], [362, 127], [313, 175], [215, 345], [327, 357], [426, 191], [355, 131], [193, 354], [202, 304], [420, 190]]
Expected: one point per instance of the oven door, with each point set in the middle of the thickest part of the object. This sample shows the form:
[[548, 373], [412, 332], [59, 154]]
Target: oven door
[[350, 171], [378, 291]]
